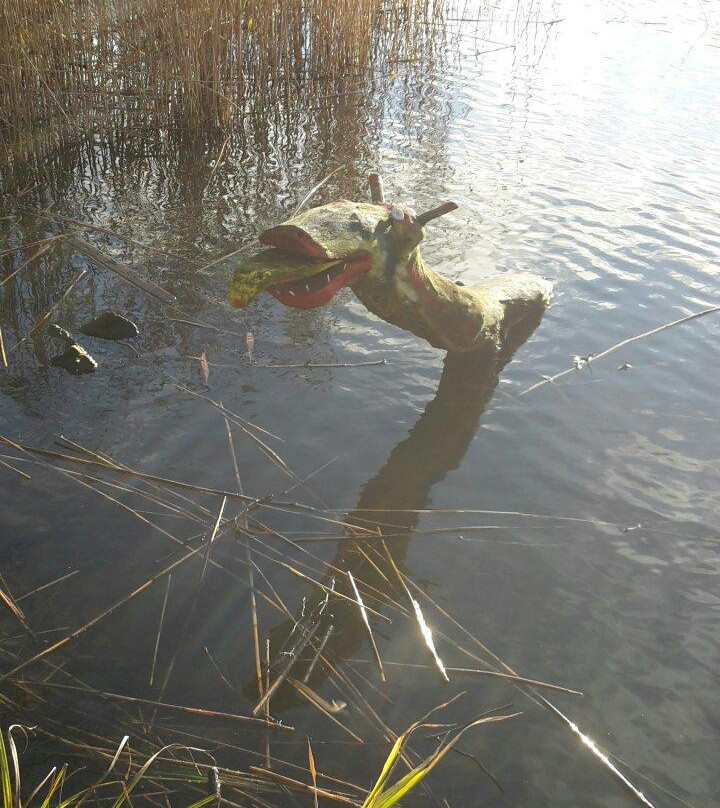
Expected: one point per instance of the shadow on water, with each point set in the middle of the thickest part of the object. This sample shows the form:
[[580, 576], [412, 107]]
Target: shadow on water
[[390, 502]]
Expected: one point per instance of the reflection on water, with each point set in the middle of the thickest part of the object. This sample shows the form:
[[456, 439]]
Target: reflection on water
[[391, 501], [582, 142]]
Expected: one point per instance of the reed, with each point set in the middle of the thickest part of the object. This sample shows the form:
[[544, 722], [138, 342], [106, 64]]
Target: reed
[[185, 60]]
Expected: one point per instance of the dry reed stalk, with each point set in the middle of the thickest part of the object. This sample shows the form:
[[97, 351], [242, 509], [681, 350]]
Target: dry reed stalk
[[298, 785], [9, 602], [266, 689], [622, 344], [127, 470], [47, 585], [50, 242], [193, 62], [165, 705], [123, 271], [10, 467], [219, 672], [481, 672], [156, 647], [189, 614], [366, 621], [282, 676], [40, 322], [177, 510], [310, 696], [3, 355], [313, 773]]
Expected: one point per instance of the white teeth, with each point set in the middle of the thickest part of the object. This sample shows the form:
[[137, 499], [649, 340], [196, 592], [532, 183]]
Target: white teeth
[[307, 288], [328, 277], [290, 292]]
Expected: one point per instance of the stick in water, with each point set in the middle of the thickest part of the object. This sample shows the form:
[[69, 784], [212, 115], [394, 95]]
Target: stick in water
[[622, 344]]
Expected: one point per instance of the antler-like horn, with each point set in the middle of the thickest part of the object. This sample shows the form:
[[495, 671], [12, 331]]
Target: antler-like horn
[[441, 210], [376, 189]]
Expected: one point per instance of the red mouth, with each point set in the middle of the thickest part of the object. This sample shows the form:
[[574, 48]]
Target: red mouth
[[317, 290]]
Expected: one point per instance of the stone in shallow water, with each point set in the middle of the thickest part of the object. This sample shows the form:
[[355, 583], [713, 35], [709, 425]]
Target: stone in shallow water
[[110, 325], [76, 360]]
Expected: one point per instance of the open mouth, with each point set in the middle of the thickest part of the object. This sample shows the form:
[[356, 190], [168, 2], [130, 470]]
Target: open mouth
[[317, 290], [311, 256]]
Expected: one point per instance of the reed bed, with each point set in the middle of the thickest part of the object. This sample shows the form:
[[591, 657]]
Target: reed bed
[[183, 61]]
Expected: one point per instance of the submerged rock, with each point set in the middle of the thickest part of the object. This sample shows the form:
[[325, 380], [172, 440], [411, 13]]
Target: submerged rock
[[75, 359], [110, 325]]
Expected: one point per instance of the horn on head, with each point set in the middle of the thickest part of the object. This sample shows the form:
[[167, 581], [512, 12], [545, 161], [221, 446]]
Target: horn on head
[[440, 210]]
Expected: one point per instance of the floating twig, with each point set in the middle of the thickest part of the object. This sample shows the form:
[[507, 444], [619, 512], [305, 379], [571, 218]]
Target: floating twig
[[586, 360]]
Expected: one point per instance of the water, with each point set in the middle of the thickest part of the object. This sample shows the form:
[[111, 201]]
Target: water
[[582, 142]]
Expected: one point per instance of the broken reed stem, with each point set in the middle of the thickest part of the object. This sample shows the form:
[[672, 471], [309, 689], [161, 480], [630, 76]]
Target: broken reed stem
[[266, 689], [254, 620], [366, 621], [313, 773], [7, 599], [298, 785], [199, 711], [159, 631], [3, 354], [272, 688], [314, 699], [17, 471], [47, 585], [28, 261], [622, 344], [45, 317]]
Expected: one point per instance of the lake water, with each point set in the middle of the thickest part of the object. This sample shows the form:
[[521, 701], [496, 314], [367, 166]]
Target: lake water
[[582, 142]]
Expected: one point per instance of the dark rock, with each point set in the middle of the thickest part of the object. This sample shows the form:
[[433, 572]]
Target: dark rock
[[110, 325], [76, 360]]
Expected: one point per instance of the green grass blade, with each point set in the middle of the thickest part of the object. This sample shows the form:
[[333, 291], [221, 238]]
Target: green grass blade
[[395, 793], [56, 783], [204, 801], [386, 770], [5, 773]]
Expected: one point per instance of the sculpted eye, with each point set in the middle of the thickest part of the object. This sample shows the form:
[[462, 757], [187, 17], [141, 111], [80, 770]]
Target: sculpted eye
[[396, 214]]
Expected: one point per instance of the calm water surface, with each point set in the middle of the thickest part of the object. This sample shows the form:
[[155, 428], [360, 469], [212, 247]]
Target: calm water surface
[[582, 141]]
